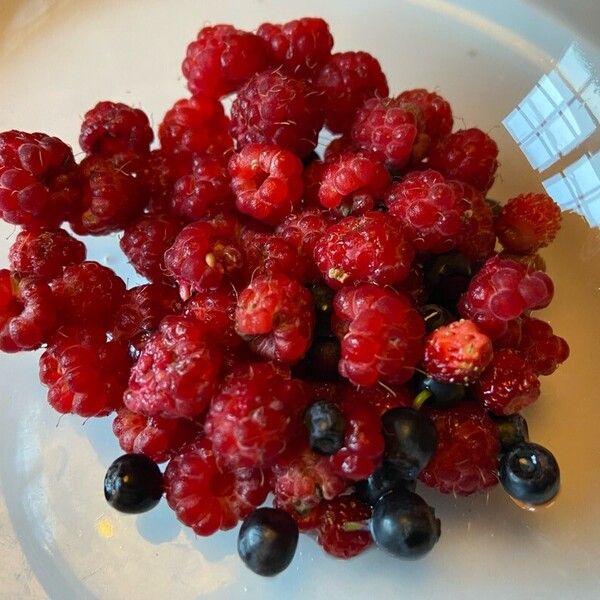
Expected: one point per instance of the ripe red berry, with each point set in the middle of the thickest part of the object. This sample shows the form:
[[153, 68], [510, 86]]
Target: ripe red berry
[[338, 146], [381, 398], [541, 348], [436, 111], [479, 237]]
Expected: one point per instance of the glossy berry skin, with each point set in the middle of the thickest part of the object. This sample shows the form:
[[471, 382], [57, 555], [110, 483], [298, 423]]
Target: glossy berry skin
[[435, 110], [383, 480], [369, 248], [447, 277], [113, 127], [508, 384], [267, 541], [530, 474], [346, 81], [410, 440], [404, 525], [276, 314], [133, 484], [435, 316], [326, 426], [512, 430], [542, 349], [221, 59], [273, 108], [443, 395], [280, 175]]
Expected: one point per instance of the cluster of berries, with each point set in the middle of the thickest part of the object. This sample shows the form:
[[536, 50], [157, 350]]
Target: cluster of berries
[[326, 329]]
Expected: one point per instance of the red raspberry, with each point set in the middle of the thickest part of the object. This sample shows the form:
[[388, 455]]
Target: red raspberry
[[457, 353], [479, 236], [157, 438], [338, 146], [88, 293], [39, 182], [370, 248], [511, 337], [45, 254], [273, 108], [251, 418], [543, 350], [436, 111], [195, 125], [145, 242], [221, 59], [111, 199], [431, 210], [141, 312], [113, 127], [27, 312], [466, 458], [277, 315], [176, 373], [334, 537], [306, 521], [85, 374], [204, 253], [383, 338], [382, 398], [206, 497], [266, 181], [533, 262], [508, 385], [392, 130], [528, 222], [206, 190], [414, 285], [299, 47], [469, 155], [347, 80]]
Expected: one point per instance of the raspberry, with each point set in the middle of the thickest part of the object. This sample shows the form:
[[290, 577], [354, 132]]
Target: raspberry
[[207, 498], [533, 262], [273, 108], [528, 222], [466, 458], [39, 182], [457, 353], [543, 350], [277, 315], [469, 155], [508, 385], [176, 373], [157, 438], [266, 181], [250, 419], [206, 190], [431, 210], [299, 47], [204, 253], [382, 338], [88, 293], [382, 398], [110, 200], [334, 537], [366, 248], [338, 146], [436, 111], [347, 80], [414, 285], [85, 374], [45, 253], [306, 521], [391, 130], [27, 312], [141, 312], [113, 127], [511, 337], [479, 237], [221, 59], [145, 242], [195, 125]]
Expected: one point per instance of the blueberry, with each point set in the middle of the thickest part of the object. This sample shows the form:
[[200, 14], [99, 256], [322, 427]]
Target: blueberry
[[512, 430], [326, 426], [404, 524], [435, 316], [443, 395], [310, 158], [267, 541], [133, 484], [383, 480], [529, 473], [320, 363], [447, 276], [410, 440], [323, 297]]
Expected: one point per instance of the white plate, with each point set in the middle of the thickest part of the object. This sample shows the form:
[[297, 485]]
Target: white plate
[[57, 536]]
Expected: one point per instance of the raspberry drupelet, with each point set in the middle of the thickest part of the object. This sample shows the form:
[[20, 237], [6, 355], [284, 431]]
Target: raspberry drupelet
[[113, 127], [367, 248], [273, 108], [479, 237], [436, 111], [542, 349], [176, 373], [266, 181], [338, 146], [221, 59], [382, 398], [276, 314], [206, 497], [347, 79]]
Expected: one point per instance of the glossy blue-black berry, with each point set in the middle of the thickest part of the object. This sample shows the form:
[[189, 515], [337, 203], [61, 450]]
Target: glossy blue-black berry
[[383, 480], [512, 430], [267, 541], [435, 316], [447, 276], [326, 426], [320, 363], [443, 395], [133, 484]]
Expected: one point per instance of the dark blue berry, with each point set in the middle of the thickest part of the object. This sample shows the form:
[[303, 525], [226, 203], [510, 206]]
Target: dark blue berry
[[310, 158], [512, 430], [435, 316], [326, 426], [323, 298], [383, 480], [443, 395], [447, 276], [320, 363]]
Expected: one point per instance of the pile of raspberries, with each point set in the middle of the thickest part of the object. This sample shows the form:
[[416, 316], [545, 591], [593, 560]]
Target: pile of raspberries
[[279, 277]]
